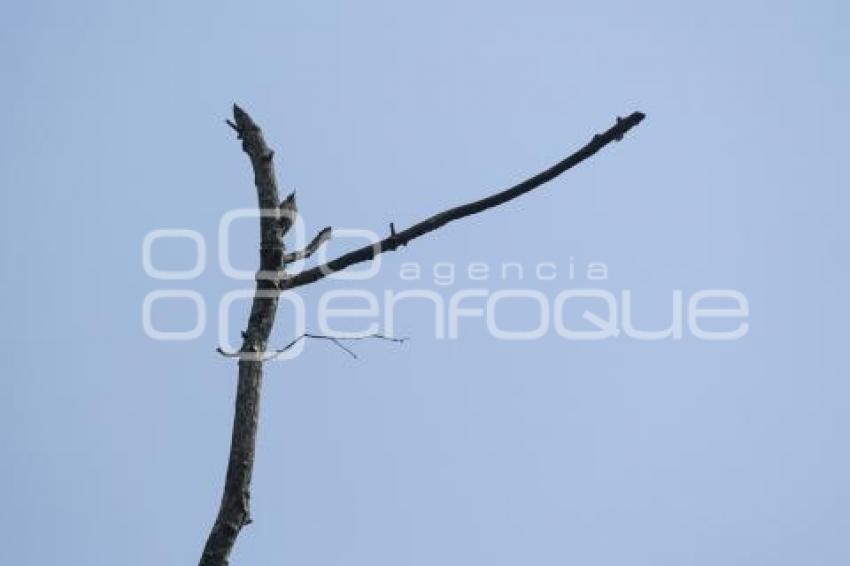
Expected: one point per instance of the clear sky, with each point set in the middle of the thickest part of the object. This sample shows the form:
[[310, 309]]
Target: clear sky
[[450, 452]]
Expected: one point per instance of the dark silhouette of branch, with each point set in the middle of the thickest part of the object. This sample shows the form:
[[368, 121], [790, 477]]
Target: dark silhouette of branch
[[234, 512], [396, 239], [311, 248], [336, 340]]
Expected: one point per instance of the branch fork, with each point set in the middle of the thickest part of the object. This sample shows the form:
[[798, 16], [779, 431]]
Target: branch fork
[[234, 512]]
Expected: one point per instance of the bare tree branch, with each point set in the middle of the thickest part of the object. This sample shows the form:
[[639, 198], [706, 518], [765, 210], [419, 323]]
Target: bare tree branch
[[311, 248], [234, 512], [336, 340], [396, 239]]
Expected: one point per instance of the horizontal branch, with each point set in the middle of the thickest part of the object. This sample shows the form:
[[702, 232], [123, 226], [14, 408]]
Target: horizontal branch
[[337, 340], [396, 239]]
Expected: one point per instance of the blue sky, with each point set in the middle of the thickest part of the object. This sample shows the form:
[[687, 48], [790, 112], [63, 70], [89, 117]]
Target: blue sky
[[465, 451]]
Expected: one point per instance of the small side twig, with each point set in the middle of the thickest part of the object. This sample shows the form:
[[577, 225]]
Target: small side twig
[[311, 248], [236, 128], [336, 340]]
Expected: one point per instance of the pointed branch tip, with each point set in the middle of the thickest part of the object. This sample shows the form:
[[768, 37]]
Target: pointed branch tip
[[243, 120]]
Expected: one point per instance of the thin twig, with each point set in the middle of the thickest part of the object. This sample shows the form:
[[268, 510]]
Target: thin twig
[[337, 340], [311, 248]]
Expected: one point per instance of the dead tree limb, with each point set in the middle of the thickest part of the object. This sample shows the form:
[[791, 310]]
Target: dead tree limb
[[311, 248], [396, 239], [234, 512]]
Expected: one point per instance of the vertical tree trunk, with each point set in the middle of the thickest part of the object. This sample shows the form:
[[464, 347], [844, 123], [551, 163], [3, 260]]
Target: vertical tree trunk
[[234, 512]]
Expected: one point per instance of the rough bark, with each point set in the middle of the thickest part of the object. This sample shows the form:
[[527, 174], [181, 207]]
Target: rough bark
[[276, 219], [234, 512]]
